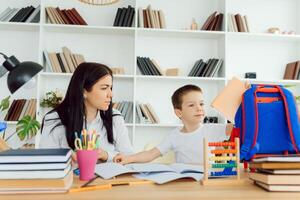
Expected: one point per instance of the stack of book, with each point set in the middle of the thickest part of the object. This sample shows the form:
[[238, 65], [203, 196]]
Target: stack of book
[[292, 71], [124, 17], [145, 114], [64, 61], [65, 16], [20, 108], [148, 18], [148, 67], [126, 110], [238, 23], [35, 171], [206, 69], [213, 22], [27, 14], [277, 173]]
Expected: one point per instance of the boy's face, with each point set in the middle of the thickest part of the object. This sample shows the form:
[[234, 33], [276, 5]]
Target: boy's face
[[192, 108]]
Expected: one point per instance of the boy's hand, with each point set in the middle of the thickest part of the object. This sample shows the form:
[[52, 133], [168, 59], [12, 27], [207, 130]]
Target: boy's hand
[[121, 158]]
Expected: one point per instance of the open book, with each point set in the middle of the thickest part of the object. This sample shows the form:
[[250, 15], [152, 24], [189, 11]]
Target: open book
[[158, 173]]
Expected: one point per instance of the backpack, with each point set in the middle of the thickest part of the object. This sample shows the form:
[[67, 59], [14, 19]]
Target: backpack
[[267, 122]]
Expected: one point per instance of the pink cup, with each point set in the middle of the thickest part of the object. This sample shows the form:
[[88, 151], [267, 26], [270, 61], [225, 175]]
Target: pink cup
[[87, 160]]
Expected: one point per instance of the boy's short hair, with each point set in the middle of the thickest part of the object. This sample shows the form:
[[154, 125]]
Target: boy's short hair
[[178, 94]]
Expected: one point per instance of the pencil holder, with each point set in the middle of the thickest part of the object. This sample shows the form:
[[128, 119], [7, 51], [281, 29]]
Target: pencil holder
[[87, 160]]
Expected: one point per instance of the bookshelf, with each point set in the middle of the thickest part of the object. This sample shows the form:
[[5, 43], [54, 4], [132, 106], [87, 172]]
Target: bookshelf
[[176, 46]]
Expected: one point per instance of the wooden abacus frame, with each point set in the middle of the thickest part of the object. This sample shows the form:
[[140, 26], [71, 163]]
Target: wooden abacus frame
[[221, 180]]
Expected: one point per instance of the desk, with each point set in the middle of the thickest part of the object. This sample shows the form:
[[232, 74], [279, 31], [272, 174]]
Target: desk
[[181, 189]]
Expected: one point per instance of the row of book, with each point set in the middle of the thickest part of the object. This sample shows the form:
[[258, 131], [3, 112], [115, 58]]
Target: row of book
[[20, 108], [64, 16], [65, 61], [126, 110], [213, 22], [277, 173], [148, 18], [27, 14], [145, 114], [124, 17], [238, 23], [35, 171], [206, 69], [148, 66], [292, 71]]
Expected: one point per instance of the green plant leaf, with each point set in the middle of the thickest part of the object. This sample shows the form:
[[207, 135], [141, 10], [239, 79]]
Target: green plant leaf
[[4, 103], [27, 127]]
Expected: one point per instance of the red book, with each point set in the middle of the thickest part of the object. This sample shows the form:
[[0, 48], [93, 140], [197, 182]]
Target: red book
[[78, 17]]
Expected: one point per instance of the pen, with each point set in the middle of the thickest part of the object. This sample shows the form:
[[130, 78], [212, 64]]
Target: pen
[[90, 188]]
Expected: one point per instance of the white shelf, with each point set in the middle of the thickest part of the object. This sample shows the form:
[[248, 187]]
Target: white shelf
[[180, 33], [54, 74], [159, 125], [176, 78], [265, 36], [17, 26], [89, 29]]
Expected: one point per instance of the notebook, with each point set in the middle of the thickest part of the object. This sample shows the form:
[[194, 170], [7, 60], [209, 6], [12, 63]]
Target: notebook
[[279, 188], [229, 99], [275, 179], [35, 174], [37, 185], [35, 166], [280, 171], [154, 170], [289, 158], [275, 165], [35, 155]]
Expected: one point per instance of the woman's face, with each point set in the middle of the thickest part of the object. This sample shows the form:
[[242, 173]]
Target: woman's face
[[100, 95]]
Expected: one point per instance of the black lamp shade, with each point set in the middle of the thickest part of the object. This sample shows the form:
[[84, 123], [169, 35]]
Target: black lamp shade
[[21, 74]]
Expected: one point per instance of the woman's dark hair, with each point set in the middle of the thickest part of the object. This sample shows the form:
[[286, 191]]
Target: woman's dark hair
[[71, 110]]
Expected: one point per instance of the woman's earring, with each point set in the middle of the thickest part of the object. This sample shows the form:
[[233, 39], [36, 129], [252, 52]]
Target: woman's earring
[[84, 96]]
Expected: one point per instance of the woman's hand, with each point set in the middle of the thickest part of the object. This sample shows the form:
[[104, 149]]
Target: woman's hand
[[121, 158], [102, 155]]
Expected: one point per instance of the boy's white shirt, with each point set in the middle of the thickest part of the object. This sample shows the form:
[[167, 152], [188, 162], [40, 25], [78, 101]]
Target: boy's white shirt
[[57, 137], [188, 147]]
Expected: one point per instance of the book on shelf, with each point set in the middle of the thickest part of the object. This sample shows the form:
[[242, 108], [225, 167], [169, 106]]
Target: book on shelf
[[145, 114], [62, 62], [149, 18], [238, 23], [147, 67], [214, 22], [28, 14], [206, 69], [126, 110], [158, 173], [124, 17], [64, 16], [20, 108], [292, 71]]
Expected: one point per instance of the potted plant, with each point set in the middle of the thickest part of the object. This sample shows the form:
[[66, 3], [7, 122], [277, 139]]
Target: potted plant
[[52, 99]]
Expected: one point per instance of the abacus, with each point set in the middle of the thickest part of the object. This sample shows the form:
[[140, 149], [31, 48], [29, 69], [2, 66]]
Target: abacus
[[222, 166]]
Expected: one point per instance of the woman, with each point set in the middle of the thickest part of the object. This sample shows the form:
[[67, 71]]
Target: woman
[[87, 105]]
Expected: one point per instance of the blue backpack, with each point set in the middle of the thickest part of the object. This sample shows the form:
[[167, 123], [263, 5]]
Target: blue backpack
[[267, 122]]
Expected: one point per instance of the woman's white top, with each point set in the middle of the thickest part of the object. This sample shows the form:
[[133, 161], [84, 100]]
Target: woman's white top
[[56, 138]]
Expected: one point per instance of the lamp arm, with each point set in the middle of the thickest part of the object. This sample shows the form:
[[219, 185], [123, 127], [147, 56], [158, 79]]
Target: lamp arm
[[5, 56]]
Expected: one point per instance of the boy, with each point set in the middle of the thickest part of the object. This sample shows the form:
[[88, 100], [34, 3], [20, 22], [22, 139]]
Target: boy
[[186, 142]]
